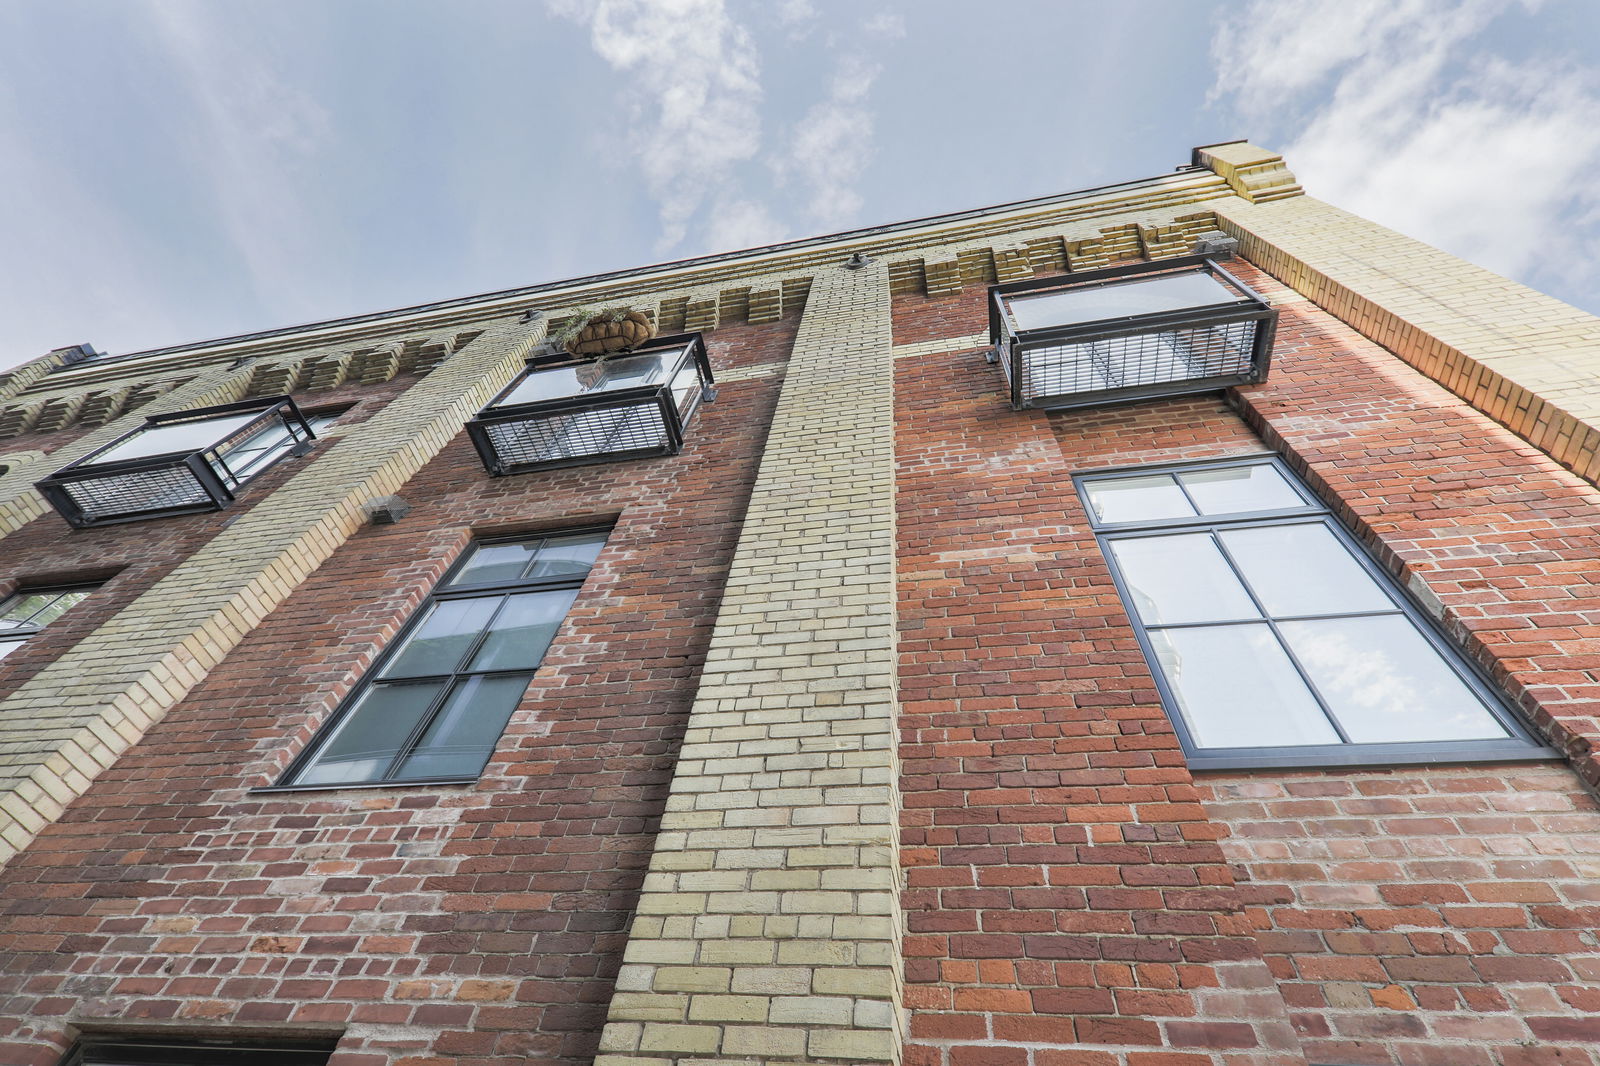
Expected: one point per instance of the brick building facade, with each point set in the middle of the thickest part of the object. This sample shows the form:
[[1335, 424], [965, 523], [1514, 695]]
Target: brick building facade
[[863, 737]]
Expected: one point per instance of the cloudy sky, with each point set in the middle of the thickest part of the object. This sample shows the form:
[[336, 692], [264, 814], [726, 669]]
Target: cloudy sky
[[174, 170]]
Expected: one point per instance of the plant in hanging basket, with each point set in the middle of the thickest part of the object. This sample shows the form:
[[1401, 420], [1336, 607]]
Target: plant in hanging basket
[[604, 331]]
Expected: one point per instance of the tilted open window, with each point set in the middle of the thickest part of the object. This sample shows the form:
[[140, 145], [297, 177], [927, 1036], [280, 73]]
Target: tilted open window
[[179, 463], [1167, 328], [569, 412], [1274, 639]]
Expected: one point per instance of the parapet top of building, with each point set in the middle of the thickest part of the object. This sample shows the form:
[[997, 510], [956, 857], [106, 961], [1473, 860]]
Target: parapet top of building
[[1235, 168]]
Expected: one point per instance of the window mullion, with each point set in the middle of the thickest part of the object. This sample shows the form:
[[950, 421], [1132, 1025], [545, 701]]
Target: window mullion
[[404, 750], [1277, 635], [426, 719]]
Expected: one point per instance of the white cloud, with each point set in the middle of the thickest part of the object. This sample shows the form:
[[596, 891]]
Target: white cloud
[[693, 97], [830, 147], [1409, 117], [740, 223], [796, 13], [255, 143]]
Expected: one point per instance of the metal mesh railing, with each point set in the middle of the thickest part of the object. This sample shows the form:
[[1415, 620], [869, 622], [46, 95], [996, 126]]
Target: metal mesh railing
[[118, 495], [1145, 359], [577, 434]]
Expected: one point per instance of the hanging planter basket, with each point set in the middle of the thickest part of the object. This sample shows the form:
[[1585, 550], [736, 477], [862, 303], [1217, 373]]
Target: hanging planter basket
[[604, 332]]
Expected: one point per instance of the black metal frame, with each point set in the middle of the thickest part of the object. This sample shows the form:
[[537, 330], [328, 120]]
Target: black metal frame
[[188, 1050], [1520, 746], [672, 420], [1012, 343], [212, 479], [441, 592]]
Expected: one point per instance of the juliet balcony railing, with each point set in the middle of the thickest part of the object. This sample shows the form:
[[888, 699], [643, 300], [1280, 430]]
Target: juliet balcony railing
[[179, 463], [565, 412], [1167, 328]]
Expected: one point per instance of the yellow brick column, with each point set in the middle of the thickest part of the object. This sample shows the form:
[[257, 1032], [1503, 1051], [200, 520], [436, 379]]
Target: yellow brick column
[[77, 715], [1527, 360], [769, 926]]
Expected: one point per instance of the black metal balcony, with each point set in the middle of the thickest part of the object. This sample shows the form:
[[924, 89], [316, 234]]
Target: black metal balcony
[[1167, 328], [180, 463], [565, 412]]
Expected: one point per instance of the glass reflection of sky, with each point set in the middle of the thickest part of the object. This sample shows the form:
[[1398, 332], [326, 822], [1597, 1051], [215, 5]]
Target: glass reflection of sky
[[1173, 292]]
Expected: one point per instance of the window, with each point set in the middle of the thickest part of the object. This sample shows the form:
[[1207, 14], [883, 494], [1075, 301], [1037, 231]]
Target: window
[[24, 613], [189, 1051], [1274, 640], [1166, 328], [180, 463], [625, 406], [435, 706]]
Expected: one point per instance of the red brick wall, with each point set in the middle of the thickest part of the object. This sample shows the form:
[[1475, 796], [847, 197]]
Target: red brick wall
[[435, 925], [1071, 890]]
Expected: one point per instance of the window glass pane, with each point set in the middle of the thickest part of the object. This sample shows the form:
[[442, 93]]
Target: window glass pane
[[1173, 292], [601, 376], [60, 602], [567, 556], [1385, 682], [1302, 568], [370, 736], [495, 562], [177, 437], [523, 630], [20, 609], [1239, 489], [436, 646], [1181, 578], [464, 733], [9, 646], [1137, 499], [686, 387], [1237, 688]]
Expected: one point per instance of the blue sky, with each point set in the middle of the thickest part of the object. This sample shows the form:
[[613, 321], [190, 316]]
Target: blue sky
[[174, 171]]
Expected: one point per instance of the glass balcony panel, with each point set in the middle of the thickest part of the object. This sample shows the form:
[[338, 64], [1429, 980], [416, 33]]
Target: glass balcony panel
[[576, 434], [176, 437], [1144, 296], [606, 375]]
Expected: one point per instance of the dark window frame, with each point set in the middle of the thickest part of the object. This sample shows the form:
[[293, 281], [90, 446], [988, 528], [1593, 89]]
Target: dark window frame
[[1521, 745], [189, 1050], [441, 592]]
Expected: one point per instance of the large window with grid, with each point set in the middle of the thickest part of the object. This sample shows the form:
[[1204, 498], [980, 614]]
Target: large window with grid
[[1274, 639], [435, 705], [23, 614]]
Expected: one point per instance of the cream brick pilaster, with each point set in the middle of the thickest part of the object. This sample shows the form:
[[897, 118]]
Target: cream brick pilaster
[[1525, 359], [78, 714], [769, 926]]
